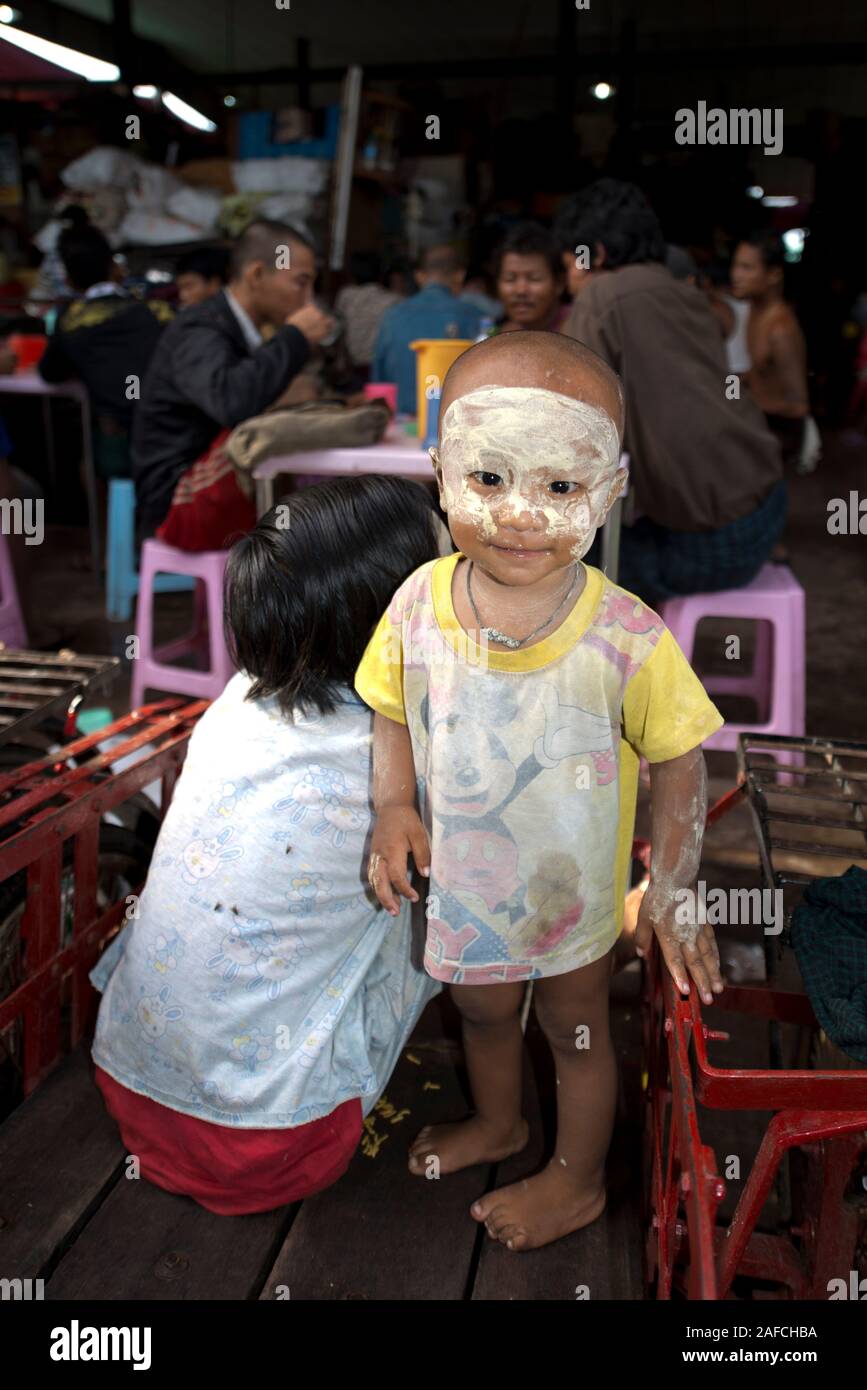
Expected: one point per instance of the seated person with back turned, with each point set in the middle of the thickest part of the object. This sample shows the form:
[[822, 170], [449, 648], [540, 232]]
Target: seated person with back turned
[[213, 369], [361, 304], [435, 312], [706, 474], [105, 337]]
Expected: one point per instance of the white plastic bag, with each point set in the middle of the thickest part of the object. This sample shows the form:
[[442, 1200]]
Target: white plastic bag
[[152, 187], [143, 228], [286, 207], [288, 174], [102, 167], [197, 205]]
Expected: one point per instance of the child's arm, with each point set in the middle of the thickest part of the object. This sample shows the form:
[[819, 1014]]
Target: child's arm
[[678, 790], [398, 828]]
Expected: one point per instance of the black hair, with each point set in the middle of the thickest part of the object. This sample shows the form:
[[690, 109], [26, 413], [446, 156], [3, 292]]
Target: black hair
[[680, 262], [306, 587], [617, 215], [442, 259], [769, 246], [716, 273], [365, 267], [400, 265], [259, 242], [211, 262], [530, 239], [86, 255]]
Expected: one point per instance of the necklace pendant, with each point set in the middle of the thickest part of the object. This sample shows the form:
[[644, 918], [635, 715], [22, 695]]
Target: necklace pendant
[[493, 634]]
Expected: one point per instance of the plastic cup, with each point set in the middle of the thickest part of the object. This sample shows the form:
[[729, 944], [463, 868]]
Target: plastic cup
[[28, 348], [434, 356]]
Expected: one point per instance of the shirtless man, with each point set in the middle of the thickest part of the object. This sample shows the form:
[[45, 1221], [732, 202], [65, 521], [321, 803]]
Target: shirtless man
[[778, 376]]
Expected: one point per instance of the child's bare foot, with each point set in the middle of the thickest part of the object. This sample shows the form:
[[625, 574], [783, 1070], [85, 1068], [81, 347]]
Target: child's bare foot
[[465, 1143], [538, 1210]]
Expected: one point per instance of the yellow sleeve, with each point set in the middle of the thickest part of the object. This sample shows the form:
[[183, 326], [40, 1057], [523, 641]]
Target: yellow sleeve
[[666, 711], [379, 678]]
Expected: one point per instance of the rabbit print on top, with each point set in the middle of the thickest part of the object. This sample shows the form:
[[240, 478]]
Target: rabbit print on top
[[276, 988]]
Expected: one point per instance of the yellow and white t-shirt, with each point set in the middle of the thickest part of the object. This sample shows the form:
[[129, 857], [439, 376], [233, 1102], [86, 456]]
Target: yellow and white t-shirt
[[527, 766]]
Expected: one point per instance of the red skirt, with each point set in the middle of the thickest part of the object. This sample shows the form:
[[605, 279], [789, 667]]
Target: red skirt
[[232, 1171]]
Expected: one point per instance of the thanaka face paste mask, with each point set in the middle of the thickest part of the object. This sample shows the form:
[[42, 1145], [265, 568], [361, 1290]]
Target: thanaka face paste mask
[[554, 458]]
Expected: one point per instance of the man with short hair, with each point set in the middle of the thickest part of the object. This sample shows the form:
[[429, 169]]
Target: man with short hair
[[213, 369], [200, 274], [434, 312], [104, 337]]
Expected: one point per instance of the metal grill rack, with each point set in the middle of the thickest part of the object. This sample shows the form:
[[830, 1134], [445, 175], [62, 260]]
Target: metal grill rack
[[808, 798], [808, 807], [36, 686]]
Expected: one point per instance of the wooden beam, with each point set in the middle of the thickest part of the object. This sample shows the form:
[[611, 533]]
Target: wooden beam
[[564, 84], [546, 64], [302, 50]]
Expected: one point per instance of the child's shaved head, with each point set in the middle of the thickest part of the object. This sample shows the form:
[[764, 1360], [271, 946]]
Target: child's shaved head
[[530, 435], [549, 361]]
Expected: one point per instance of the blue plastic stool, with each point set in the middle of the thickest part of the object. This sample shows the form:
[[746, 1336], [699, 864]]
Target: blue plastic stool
[[121, 576]]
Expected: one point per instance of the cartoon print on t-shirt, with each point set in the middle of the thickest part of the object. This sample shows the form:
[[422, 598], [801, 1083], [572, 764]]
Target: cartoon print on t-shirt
[[477, 853]]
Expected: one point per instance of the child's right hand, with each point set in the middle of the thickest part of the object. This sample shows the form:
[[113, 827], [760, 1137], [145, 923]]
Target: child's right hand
[[397, 833]]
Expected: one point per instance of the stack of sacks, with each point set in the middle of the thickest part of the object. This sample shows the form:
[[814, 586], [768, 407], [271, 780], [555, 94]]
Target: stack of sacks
[[135, 202], [284, 175], [287, 189]]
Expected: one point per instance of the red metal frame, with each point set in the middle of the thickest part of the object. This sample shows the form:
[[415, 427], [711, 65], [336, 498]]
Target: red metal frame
[[823, 1112], [87, 790]]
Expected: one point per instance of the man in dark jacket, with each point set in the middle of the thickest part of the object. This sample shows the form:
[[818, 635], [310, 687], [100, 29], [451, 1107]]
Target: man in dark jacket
[[212, 369], [104, 337]]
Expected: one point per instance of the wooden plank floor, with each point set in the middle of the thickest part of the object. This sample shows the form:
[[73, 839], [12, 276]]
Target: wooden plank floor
[[73, 1218], [60, 1154]]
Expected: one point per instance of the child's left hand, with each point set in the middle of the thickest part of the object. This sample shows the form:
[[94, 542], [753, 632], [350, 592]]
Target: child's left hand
[[688, 950], [678, 792]]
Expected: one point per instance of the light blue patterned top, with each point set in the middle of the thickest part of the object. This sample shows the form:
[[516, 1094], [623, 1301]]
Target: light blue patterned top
[[261, 985]]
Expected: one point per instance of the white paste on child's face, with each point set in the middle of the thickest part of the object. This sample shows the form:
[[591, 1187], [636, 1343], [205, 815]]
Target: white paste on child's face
[[531, 439]]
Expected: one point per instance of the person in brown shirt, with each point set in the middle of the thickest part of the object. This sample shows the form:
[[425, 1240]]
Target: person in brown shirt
[[707, 491]]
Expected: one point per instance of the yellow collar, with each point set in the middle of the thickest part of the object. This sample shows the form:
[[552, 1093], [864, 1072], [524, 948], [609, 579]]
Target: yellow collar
[[561, 640]]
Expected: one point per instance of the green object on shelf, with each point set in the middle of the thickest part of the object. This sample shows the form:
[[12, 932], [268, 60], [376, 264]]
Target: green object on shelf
[[90, 721], [411, 428]]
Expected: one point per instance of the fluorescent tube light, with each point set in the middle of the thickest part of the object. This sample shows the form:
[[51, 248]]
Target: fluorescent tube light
[[94, 69]]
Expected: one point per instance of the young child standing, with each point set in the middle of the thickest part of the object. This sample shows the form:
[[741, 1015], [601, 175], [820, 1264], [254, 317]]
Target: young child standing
[[515, 690]]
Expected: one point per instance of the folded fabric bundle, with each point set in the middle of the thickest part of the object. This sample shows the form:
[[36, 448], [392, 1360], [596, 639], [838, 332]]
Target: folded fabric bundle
[[829, 935], [297, 429], [213, 501]]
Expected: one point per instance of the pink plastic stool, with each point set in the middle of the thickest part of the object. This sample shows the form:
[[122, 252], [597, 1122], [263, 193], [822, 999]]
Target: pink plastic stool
[[12, 629], [151, 668], [777, 680]]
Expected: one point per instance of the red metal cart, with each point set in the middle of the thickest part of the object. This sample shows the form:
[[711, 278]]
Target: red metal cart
[[56, 839], [810, 815]]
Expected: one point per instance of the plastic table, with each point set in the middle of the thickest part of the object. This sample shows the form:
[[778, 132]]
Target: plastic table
[[395, 458], [31, 384]]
